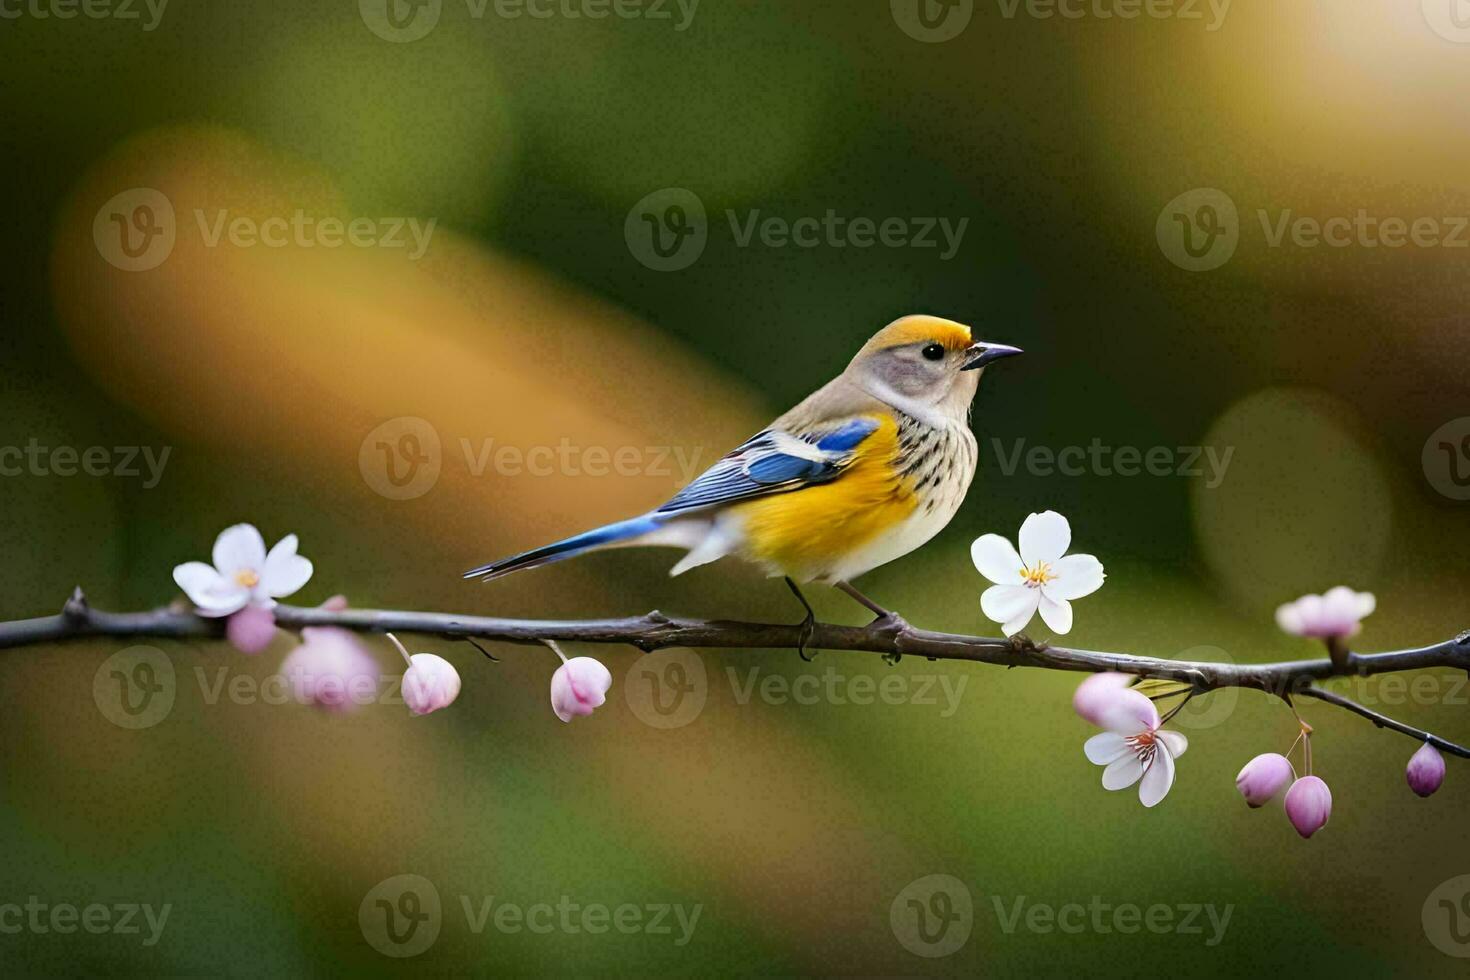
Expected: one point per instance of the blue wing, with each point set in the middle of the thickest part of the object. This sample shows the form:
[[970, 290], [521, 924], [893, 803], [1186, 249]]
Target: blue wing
[[773, 462]]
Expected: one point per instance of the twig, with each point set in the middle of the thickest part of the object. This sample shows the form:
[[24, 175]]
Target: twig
[[1383, 721], [892, 638]]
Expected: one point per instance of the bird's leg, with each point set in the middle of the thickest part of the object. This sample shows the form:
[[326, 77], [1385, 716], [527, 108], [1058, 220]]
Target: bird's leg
[[885, 617], [876, 609], [808, 625]]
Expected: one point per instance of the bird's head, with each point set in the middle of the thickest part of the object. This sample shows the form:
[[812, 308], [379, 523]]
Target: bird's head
[[924, 365]]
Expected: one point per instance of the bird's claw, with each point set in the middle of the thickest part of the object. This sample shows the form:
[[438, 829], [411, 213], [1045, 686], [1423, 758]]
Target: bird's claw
[[808, 630]]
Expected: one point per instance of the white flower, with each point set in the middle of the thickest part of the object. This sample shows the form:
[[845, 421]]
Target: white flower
[[1135, 749], [1036, 578], [243, 574]]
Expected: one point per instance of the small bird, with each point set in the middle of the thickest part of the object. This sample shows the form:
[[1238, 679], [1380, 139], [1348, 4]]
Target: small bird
[[863, 471]]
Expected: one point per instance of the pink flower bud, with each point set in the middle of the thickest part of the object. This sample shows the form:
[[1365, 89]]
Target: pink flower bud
[[1337, 614], [1094, 694], [430, 683], [1263, 777], [331, 669], [251, 629], [1426, 770], [1308, 805], [578, 686]]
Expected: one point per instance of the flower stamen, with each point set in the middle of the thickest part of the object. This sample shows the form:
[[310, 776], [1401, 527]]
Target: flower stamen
[[1035, 576], [247, 578]]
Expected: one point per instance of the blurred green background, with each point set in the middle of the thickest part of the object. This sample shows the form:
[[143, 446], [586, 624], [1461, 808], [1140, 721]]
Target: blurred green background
[[530, 319]]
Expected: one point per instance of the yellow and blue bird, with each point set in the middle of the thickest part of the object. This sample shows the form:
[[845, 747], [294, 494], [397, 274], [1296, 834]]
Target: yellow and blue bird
[[863, 471]]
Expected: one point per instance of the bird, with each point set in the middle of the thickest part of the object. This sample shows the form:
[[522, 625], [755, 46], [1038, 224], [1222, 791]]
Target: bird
[[863, 471]]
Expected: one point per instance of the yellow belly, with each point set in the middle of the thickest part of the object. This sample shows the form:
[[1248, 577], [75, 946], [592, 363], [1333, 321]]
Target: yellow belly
[[805, 533]]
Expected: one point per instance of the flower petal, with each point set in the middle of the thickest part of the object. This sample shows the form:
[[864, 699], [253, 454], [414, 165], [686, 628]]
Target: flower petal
[[1002, 603], [284, 571], [1158, 779], [1075, 576], [1105, 748], [1018, 622], [1123, 773], [1175, 742], [996, 559], [1056, 613], [1044, 537], [212, 594], [1095, 693], [1129, 712], [237, 547]]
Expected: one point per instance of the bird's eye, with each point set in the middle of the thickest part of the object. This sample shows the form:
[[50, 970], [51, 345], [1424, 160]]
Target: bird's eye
[[934, 352]]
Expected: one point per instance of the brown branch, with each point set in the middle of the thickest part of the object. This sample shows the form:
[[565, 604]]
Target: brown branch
[[892, 638], [1383, 721]]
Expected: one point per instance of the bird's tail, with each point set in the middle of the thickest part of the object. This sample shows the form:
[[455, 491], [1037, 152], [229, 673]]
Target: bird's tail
[[623, 532]]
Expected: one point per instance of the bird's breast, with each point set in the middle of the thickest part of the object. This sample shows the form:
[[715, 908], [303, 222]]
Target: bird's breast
[[905, 483]]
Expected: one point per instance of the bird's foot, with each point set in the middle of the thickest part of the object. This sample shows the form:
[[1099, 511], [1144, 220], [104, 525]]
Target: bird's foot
[[808, 630], [808, 625], [890, 622]]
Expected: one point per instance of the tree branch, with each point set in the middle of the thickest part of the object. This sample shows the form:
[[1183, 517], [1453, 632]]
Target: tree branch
[[1383, 721], [892, 638]]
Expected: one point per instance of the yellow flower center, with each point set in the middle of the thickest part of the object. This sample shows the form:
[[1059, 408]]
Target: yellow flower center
[[247, 578], [1037, 575]]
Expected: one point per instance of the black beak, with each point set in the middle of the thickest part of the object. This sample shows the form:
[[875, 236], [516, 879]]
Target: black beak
[[983, 353]]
